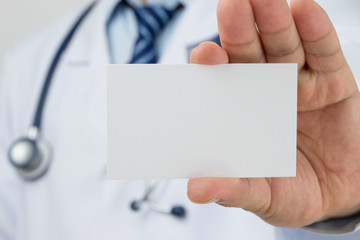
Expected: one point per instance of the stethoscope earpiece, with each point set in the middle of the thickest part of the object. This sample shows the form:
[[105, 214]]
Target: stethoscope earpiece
[[30, 157], [135, 206], [177, 211]]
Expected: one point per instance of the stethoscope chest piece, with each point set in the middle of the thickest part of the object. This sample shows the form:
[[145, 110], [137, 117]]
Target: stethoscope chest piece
[[30, 157]]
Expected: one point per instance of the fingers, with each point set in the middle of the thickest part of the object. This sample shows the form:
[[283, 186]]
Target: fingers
[[249, 194], [238, 33], [280, 38], [209, 53], [329, 79], [320, 41]]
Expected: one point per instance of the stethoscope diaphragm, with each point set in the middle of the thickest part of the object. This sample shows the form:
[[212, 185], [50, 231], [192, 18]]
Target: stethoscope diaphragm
[[30, 157]]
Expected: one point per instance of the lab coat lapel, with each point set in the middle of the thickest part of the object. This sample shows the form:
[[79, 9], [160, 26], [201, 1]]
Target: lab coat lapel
[[89, 48], [85, 64]]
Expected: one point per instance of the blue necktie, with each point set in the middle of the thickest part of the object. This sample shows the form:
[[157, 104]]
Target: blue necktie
[[151, 21]]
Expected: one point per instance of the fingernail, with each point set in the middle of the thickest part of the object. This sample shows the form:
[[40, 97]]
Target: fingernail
[[207, 202], [222, 202]]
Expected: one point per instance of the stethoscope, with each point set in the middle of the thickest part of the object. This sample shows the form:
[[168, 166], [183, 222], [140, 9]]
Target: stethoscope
[[31, 155]]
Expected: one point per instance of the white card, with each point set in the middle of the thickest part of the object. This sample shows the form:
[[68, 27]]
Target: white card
[[185, 121]]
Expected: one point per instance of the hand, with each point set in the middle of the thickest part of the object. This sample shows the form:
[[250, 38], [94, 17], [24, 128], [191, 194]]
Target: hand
[[328, 141]]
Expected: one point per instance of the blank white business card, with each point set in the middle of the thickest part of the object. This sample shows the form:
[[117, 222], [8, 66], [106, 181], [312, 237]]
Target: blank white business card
[[185, 121]]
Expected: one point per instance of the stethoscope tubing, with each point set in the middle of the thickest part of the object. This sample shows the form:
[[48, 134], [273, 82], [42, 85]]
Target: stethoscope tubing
[[53, 66], [39, 161]]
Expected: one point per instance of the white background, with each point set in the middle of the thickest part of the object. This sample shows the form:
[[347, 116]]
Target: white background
[[19, 18]]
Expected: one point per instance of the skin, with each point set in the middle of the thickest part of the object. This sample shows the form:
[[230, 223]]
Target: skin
[[327, 184]]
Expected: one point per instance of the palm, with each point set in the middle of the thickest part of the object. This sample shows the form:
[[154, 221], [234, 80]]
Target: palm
[[328, 112]]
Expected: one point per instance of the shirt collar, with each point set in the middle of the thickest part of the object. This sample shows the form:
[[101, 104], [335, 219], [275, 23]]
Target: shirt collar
[[169, 4], [97, 23]]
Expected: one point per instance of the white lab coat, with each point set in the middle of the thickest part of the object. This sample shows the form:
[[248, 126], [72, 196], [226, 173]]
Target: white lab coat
[[74, 200]]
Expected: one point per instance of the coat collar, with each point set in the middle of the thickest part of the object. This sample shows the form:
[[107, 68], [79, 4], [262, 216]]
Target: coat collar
[[89, 45]]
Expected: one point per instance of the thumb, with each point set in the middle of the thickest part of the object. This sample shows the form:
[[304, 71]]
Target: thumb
[[250, 194], [209, 53]]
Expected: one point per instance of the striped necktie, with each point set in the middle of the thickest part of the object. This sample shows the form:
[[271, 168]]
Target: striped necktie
[[151, 21]]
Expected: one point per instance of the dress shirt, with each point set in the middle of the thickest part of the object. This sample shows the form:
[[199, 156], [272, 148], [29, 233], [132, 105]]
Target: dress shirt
[[122, 29]]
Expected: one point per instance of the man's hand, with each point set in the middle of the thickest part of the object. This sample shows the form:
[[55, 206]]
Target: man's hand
[[328, 142]]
